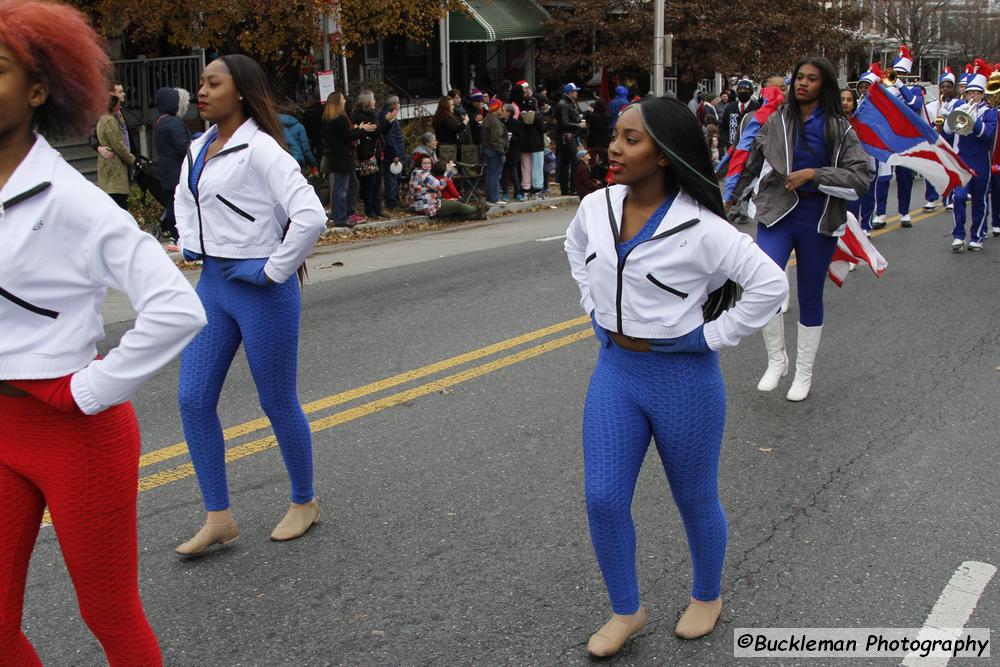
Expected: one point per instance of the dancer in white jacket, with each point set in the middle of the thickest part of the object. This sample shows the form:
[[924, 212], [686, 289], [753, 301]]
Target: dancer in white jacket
[[70, 440]]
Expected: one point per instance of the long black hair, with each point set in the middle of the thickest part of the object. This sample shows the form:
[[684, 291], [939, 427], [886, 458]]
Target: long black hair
[[829, 103], [251, 83], [679, 136]]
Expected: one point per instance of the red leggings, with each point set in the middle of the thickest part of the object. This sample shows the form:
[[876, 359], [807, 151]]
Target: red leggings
[[86, 470]]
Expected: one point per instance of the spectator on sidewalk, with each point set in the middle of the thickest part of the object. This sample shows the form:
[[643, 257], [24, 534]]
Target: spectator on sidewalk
[[339, 135], [707, 115], [729, 124], [296, 138], [393, 150], [515, 144], [494, 150], [549, 166], [112, 175], [585, 181], [620, 101], [569, 123], [118, 90], [426, 148], [368, 151], [533, 148], [599, 123], [447, 125], [476, 115], [171, 137], [427, 183]]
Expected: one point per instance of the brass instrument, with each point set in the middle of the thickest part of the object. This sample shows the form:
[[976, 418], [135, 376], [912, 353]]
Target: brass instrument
[[938, 123], [962, 120], [890, 78], [993, 89]]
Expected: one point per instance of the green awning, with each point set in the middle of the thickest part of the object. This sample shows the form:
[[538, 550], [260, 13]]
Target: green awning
[[496, 20]]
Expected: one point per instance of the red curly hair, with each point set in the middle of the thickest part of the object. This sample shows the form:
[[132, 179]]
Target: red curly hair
[[58, 47]]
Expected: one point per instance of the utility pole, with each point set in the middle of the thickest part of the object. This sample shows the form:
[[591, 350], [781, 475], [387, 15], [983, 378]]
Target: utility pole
[[658, 48]]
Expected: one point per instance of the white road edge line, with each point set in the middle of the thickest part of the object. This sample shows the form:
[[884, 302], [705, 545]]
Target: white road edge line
[[551, 238], [953, 608]]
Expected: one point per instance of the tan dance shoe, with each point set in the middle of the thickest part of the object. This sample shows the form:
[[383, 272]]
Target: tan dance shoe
[[610, 638], [219, 528], [698, 619], [297, 521]]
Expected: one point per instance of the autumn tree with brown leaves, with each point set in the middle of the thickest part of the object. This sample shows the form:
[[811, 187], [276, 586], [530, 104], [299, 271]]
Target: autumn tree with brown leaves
[[709, 35], [271, 32]]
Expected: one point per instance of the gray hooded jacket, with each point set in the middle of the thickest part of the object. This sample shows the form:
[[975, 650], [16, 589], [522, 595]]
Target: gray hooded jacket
[[770, 158]]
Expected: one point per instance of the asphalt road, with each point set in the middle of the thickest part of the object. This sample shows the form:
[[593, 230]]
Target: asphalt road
[[454, 529]]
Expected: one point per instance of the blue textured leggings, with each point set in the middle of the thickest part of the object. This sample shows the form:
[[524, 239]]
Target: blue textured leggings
[[680, 401], [813, 252], [266, 321]]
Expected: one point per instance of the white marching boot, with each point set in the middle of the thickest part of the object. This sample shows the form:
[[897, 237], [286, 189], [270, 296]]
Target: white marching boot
[[807, 347], [777, 358]]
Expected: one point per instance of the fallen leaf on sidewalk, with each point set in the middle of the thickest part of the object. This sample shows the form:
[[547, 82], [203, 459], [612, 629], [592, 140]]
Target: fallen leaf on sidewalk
[[765, 449], [328, 266]]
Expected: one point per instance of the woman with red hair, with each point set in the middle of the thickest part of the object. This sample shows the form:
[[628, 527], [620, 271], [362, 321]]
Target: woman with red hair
[[70, 440]]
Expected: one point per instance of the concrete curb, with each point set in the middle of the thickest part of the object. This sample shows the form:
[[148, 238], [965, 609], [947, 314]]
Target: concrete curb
[[495, 212]]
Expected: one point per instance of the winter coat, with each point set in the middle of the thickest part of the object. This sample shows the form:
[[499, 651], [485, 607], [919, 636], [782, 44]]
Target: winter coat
[[339, 136], [393, 136], [171, 137], [368, 142], [515, 144], [534, 134], [598, 129], [494, 133], [568, 115], [847, 179], [297, 140], [447, 131], [112, 175]]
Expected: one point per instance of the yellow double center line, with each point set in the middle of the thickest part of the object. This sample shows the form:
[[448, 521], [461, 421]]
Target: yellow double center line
[[246, 449], [254, 446]]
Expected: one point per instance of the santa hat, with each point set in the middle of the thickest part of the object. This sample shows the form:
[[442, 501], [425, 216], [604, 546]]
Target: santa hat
[[977, 81], [904, 61], [946, 75], [523, 84], [873, 75]]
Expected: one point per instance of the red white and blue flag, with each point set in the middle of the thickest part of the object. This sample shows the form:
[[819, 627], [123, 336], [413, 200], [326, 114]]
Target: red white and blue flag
[[854, 248], [892, 133], [738, 154]]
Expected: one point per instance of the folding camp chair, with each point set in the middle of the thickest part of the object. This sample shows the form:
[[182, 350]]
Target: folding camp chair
[[470, 175]]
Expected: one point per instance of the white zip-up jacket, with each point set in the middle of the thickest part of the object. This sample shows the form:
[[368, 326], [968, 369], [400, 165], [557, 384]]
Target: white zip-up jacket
[[63, 243], [253, 202], [659, 289]]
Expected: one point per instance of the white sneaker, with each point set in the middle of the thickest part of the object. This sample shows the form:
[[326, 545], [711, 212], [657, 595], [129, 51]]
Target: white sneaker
[[996, 231], [906, 221], [975, 245], [957, 245], [930, 206], [949, 207]]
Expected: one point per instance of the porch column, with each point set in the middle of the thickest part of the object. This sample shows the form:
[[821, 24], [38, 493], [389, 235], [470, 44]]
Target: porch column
[[529, 71], [445, 55]]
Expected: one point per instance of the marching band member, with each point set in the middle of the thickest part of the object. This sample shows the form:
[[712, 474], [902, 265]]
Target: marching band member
[[975, 147], [873, 203], [937, 111], [993, 99], [913, 97], [661, 235], [70, 438]]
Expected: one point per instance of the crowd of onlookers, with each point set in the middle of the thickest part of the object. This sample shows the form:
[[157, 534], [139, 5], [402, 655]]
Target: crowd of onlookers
[[480, 150]]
